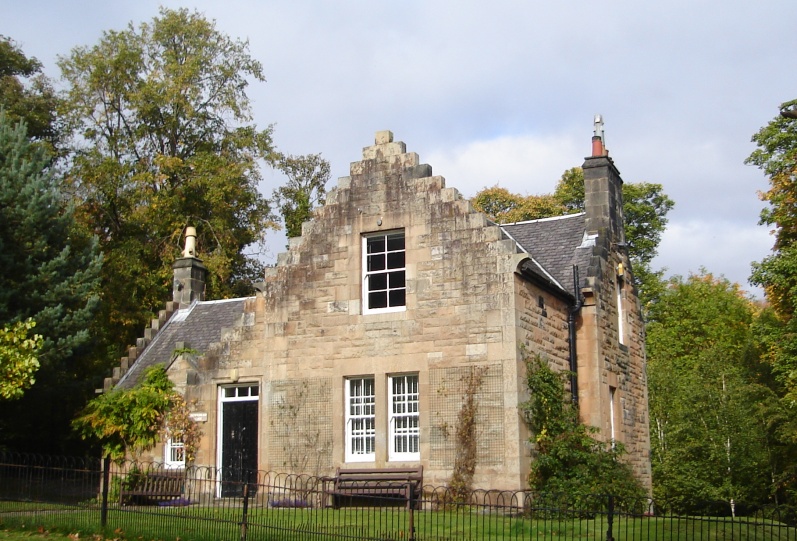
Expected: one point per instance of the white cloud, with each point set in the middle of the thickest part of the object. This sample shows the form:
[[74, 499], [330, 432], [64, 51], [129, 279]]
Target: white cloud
[[724, 248], [504, 92], [525, 164]]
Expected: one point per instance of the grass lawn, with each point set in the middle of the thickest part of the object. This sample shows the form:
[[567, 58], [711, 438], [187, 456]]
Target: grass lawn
[[42, 534], [198, 523]]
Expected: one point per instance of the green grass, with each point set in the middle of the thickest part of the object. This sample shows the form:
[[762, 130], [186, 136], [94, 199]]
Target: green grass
[[197, 523], [19, 535]]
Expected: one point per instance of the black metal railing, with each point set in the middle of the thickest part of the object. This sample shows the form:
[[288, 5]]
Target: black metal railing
[[146, 500]]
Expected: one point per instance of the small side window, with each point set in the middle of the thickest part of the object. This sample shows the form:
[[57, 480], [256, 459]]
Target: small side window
[[174, 455]]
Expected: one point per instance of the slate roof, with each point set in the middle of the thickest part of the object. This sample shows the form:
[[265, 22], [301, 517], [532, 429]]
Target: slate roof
[[556, 244], [198, 326]]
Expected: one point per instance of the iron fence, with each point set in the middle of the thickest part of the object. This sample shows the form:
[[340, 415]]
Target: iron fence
[[144, 500]]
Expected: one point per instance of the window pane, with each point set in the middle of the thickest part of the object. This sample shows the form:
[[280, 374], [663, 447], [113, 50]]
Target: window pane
[[229, 392], [378, 300], [376, 244], [377, 282], [397, 279], [254, 391], [395, 260], [376, 262], [397, 298], [395, 241]]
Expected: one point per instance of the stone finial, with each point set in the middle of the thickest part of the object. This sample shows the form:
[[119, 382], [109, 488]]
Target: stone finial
[[384, 137], [190, 242]]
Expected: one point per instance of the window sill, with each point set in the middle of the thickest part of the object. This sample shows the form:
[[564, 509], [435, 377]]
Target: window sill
[[405, 458], [376, 311], [360, 459]]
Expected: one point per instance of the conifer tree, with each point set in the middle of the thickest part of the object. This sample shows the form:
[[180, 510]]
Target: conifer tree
[[50, 274]]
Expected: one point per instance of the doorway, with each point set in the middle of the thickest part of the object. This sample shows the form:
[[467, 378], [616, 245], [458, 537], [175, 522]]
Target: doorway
[[238, 429]]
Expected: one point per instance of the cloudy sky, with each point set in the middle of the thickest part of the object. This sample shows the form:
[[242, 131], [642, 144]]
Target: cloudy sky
[[504, 92]]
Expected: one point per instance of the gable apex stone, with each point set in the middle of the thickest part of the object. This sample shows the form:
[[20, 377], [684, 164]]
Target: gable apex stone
[[383, 137]]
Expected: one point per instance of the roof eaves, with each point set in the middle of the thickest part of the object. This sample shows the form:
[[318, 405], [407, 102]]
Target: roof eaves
[[156, 339], [531, 258]]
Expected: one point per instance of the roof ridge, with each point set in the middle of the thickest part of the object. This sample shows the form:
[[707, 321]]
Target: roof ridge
[[548, 219], [219, 301]]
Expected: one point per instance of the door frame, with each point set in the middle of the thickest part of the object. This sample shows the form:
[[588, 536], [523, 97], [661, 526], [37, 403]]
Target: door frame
[[222, 399]]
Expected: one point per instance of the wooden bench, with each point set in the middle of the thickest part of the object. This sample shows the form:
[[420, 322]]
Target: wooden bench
[[146, 488], [377, 486]]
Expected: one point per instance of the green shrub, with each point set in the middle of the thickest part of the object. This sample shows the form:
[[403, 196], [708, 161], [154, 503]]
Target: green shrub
[[568, 460]]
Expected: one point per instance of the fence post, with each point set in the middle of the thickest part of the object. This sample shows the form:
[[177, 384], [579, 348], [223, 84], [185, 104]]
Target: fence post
[[610, 515], [244, 515], [411, 509], [106, 481]]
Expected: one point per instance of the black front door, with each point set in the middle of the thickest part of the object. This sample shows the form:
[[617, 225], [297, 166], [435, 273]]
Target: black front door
[[238, 447]]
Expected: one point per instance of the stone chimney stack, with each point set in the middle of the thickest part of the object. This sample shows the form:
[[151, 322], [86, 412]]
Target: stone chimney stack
[[603, 190], [189, 273]]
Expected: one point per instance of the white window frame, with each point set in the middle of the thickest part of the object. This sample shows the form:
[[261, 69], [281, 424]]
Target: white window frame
[[171, 450], [612, 429], [387, 273], [360, 419], [621, 311], [404, 426]]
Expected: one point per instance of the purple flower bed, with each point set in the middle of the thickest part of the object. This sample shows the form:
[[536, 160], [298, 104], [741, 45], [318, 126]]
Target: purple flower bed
[[179, 502]]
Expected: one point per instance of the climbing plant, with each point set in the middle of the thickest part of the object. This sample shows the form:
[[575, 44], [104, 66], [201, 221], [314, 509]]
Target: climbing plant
[[568, 459], [134, 420], [460, 485]]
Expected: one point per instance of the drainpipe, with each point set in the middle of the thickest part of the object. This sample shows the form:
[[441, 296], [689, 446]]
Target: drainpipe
[[571, 329]]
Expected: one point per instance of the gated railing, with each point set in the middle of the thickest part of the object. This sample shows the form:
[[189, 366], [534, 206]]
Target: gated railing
[[144, 500]]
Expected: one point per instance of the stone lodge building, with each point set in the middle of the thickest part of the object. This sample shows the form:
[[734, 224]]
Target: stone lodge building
[[361, 342]]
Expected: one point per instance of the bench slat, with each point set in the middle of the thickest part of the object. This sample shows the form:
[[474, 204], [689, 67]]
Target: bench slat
[[156, 486], [394, 483]]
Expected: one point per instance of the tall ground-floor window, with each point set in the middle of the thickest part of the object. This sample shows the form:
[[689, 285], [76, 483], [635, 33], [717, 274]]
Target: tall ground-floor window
[[360, 420], [403, 421]]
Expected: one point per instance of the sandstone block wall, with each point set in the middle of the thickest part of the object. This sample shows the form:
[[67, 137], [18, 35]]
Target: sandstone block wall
[[466, 309]]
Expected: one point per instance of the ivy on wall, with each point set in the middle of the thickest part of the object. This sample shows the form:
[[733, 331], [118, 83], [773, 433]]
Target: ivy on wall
[[567, 457]]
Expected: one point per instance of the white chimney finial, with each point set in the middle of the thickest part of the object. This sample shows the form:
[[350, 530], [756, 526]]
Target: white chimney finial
[[598, 126], [190, 242]]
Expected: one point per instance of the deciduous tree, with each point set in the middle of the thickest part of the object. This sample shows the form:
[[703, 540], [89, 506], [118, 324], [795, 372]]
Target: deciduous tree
[[776, 155], [163, 137], [506, 207], [18, 358], [712, 414], [26, 94], [305, 189]]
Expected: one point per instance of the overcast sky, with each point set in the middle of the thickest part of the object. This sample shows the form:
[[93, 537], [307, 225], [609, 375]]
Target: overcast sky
[[504, 92]]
